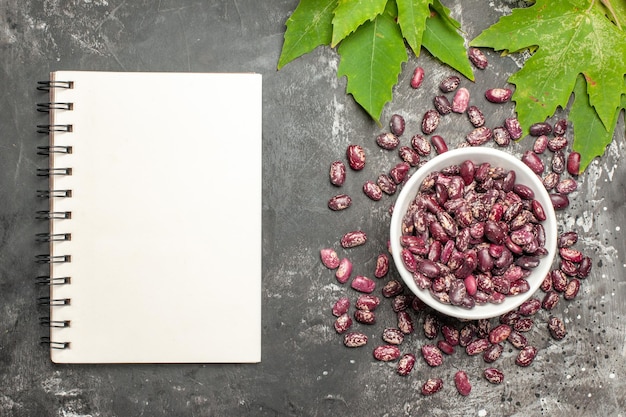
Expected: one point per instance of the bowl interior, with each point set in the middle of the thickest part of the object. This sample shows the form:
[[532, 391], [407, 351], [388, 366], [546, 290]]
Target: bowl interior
[[524, 176]]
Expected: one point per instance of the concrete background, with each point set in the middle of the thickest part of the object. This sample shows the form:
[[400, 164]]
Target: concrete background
[[308, 122]]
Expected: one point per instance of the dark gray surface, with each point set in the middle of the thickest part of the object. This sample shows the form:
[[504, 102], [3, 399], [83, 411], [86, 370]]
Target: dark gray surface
[[308, 122]]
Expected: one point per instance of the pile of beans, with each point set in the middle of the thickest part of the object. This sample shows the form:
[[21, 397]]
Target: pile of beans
[[443, 336], [472, 235]]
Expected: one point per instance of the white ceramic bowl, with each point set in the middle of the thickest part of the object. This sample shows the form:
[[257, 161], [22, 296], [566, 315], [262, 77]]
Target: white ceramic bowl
[[523, 176]]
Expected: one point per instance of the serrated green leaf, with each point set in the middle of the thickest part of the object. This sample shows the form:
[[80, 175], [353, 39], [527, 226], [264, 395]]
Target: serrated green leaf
[[309, 26], [412, 15], [444, 42], [371, 60], [591, 137], [350, 14], [573, 37]]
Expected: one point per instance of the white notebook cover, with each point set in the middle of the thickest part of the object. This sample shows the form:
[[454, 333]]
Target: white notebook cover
[[165, 218]]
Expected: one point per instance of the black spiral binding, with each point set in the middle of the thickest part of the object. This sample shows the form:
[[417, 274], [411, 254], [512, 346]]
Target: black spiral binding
[[49, 238]]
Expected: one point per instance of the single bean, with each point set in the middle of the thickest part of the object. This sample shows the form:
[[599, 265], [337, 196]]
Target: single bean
[[397, 124], [432, 386], [439, 143], [387, 141], [573, 163], [449, 84], [339, 202], [461, 381], [501, 136], [386, 353], [514, 128], [538, 129], [442, 105], [344, 270], [430, 121], [393, 336], [353, 239], [498, 95], [337, 173], [475, 115], [557, 143], [478, 58], [329, 257], [354, 339], [341, 306], [460, 100], [363, 284], [372, 190], [405, 364], [365, 316], [540, 145], [417, 78], [356, 157]]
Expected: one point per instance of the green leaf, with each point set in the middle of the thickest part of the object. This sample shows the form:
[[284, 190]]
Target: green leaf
[[573, 37], [308, 27], [591, 137], [371, 59], [350, 14], [443, 40], [412, 15]]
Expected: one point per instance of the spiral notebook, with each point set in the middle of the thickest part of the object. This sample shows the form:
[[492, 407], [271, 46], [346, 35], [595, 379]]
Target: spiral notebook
[[155, 217]]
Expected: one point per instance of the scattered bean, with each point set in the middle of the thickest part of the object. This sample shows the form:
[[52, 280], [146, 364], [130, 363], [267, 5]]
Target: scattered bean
[[493, 375], [353, 239], [344, 270], [397, 124], [498, 95], [475, 115], [460, 100], [478, 58], [405, 364], [354, 339], [430, 121], [449, 84], [337, 173], [372, 190], [418, 77], [386, 353], [461, 381], [573, 163], [432, 386], [387, 141], [363, 284]]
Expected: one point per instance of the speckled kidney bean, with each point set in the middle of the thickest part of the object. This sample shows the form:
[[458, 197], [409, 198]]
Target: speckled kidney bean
[[409, 155], [387, 141], [498, 95], [354, 339], [341, 306], [344, 270], [405, 364], [550, 300], [421, 145], [399, 172], [530, 307], [432, 386], [445, 347], [353, 239], [450, 334], [442, 105], [462, 383], [524, 325], [571, 291], [501, 136], [494, 375], [479, 136], [493, 352], [430, 121], [365, 316], [401, 302], [461, 100], [363, 284], [541, 128], [557, 328], [386, 184], [449, 84], [329, 258], [478, 58], [557, 143], [382, 265], [517, 340], [343, 323], [559, 201], [337, 173], [475, 116], [396, 124], [339, 202], [526, 356], [567, 239], [372, 190], [386, 353], [356, 157], [439, 143], [533, 162], [431, 326], [558, 162], [405, 322], [514, 128], [569, 268], [367, 302], [573, 163], [418, 77], [566, 186], [551, 180], [584, 267], [499, 333], [560, 127], [570, 254], [432, 355], [393, 336], [477, 346], [540, 144], [392, 288]]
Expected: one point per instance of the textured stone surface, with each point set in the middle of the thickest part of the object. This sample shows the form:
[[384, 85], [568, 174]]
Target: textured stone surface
[[308, 123]]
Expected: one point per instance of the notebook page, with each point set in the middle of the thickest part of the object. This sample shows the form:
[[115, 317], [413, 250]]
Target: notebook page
[[166, 218]]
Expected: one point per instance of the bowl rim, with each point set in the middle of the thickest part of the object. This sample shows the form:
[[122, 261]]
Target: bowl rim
[[477, 154]]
